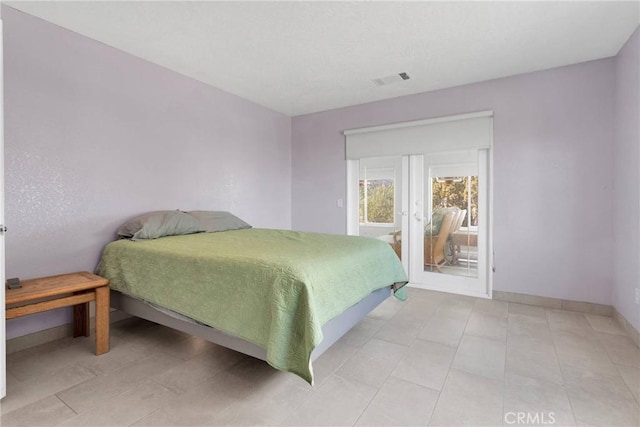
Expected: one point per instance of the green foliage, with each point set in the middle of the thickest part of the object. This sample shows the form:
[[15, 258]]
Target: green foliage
[[361, 201], [379, 197], [379, 201], [451, 193]]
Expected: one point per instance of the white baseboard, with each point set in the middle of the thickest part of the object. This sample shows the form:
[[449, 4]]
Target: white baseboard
[[628, 327], [582, 307], [557, 303]]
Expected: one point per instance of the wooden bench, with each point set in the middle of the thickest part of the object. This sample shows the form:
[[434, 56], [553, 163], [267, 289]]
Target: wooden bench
[[74, 289]]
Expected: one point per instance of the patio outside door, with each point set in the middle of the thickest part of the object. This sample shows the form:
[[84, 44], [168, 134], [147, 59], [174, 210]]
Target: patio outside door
[[449, 222]]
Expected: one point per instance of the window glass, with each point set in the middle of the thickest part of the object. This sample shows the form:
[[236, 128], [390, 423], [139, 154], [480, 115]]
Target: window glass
[[457, 191], [377, 199]]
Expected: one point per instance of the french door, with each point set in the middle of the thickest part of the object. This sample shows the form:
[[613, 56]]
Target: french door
[[433, 209], [441, 225], [449, 222]]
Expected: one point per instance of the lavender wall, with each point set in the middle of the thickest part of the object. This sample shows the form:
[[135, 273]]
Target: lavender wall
[[553, 132], [95, 136], [626, 195]]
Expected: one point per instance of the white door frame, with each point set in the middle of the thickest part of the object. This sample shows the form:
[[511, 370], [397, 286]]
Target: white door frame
[[3, 360], [353, 197], [405, 212]]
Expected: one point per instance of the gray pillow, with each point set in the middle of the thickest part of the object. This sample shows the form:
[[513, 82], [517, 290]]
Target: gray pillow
[[158, 224], [213, 221]]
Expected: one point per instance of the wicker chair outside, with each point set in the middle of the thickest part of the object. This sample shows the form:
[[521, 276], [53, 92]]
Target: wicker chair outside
[[434, 245]]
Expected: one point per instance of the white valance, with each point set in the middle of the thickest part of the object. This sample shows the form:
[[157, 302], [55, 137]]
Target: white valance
[[460, 132]]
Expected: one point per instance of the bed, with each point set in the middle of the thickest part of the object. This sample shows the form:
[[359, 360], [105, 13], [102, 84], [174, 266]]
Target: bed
[[282, 296]]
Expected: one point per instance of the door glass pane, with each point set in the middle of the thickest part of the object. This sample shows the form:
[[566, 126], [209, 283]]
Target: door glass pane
[[380, 194], [451, 232]]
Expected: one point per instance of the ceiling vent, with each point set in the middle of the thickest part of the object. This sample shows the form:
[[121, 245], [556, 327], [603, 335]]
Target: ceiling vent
[[394, 78]]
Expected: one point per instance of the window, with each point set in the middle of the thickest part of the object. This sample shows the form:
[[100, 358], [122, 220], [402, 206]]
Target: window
[[377, 201], [458, 191]]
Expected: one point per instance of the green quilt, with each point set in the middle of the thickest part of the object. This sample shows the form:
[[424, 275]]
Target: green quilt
[[273, 288]]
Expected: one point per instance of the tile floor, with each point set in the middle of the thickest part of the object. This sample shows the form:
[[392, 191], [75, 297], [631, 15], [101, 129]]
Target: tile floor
[[436, 359]]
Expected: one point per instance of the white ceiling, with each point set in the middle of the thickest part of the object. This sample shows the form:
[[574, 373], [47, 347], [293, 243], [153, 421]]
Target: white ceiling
[[301, 57]]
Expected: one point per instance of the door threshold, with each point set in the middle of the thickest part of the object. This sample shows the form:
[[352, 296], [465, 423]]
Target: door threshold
[[485, 295]]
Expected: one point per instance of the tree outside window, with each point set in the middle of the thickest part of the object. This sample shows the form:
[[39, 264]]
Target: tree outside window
[[455, 191], [377, 201]]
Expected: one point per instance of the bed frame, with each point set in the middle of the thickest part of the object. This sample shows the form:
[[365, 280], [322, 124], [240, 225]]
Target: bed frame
[[332, 330]]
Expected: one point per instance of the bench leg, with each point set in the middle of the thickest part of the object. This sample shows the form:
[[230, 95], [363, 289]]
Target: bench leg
[[102, 320], [81, 320]]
